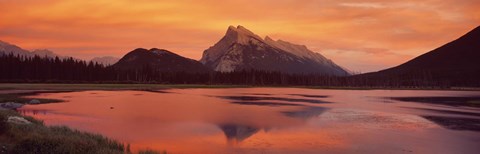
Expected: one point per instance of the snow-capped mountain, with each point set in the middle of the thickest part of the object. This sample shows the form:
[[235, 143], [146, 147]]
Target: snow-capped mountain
[[241, 49], [160, 60], [7, 48], [46, 53], [105, 60]]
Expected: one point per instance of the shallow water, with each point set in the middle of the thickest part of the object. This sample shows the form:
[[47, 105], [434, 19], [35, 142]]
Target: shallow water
[[272, 120]]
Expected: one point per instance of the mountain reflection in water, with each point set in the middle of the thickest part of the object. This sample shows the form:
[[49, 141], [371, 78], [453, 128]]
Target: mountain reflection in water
[[270, 120]]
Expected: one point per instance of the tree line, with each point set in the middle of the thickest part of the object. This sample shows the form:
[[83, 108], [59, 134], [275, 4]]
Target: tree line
[[23, 69]]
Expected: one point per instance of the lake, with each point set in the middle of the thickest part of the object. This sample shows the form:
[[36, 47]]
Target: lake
[[273, 120]]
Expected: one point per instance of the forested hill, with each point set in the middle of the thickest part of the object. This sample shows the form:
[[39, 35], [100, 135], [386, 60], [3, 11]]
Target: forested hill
[[455, 63], [17, 69], [55, 70]]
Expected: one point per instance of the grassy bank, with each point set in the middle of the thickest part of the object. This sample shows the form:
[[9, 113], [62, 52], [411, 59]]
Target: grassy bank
[[36, 138], [19, 98]]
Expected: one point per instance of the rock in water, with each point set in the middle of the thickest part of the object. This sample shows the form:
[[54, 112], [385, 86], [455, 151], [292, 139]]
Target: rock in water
[[34, 101], [18, 120], [10, 105]]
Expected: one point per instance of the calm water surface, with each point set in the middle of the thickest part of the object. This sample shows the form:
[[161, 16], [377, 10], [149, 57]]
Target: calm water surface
[[273, 120]]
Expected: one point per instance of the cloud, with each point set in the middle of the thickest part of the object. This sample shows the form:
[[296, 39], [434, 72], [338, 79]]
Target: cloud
[[372, 51], [363, 5]]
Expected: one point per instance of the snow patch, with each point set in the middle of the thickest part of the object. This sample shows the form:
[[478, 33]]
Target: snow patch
[[226, 54]]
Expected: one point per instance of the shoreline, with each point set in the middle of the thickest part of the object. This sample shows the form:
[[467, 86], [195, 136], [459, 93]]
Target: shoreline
[[20, 133], [28, 91], [38, 87], [25, 134]]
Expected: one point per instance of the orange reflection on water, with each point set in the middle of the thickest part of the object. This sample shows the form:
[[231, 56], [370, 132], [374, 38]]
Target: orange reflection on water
[[247, 120]]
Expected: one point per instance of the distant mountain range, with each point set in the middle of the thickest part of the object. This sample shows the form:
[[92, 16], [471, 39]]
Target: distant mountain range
[[160, 60], [241, 49], [46, 53], [7, 48], [457, 61], [238, 50], [105, 60]]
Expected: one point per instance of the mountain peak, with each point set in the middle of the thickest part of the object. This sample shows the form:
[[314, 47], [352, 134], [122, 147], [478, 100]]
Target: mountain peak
[[477, 28], [4, 43], [160, 60], [279, 43], [160, 51], [45, 53], [241, 49], [7, 48], [140, 49], [241, 34], [231, 27], [153, 50], [105, 60], [455, 63], [472, 35], [239, 29], [244, 30], [268, 39]]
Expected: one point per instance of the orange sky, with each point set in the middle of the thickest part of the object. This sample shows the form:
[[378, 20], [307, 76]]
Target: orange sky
[[359, 35]]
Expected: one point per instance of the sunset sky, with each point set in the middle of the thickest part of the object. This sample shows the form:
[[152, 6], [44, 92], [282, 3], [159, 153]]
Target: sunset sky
[[359, 35]]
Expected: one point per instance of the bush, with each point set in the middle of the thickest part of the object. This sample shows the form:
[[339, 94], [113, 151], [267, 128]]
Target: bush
[[148, 151], [52, 140], [37, 138], [3, 125]]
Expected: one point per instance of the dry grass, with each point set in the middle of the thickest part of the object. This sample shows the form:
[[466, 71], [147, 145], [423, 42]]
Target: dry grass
[[37, 138]]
